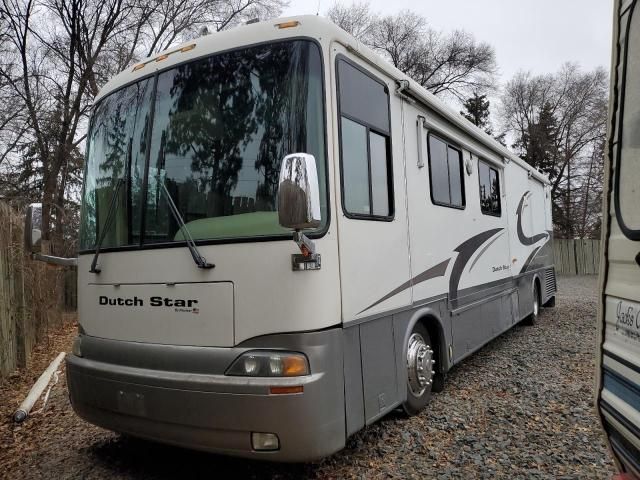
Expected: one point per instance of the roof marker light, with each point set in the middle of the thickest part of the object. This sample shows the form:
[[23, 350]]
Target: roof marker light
[[291, 24], [164, 56]]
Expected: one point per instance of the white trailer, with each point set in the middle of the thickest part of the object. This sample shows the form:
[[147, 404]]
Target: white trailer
[[419, 239], [618, 354]]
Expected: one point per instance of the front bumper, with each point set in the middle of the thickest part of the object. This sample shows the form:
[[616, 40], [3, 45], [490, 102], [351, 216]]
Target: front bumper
[[180, 395]]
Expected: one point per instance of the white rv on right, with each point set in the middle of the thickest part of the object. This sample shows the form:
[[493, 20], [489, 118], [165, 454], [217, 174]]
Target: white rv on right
[[618, 372]]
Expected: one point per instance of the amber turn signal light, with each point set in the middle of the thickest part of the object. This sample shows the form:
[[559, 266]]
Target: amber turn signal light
[[291, 24], [294, 366], [285, 390]]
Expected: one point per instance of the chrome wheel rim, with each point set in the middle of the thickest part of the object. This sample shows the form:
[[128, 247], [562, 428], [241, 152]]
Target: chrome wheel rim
[[536, 306], [419, 364]]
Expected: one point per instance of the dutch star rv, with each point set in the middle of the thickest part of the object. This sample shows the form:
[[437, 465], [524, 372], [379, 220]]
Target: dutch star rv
[[618, 392], [284, 238]]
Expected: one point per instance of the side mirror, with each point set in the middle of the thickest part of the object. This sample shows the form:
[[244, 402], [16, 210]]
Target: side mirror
[[33, 238], [299, 192], [33, 228]]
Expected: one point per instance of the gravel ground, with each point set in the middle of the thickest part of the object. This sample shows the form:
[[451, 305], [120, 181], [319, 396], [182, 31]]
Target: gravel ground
[[519, 408]]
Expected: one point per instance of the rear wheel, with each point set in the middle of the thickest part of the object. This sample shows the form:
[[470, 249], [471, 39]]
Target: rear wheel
[[533, 318], [420, 370]]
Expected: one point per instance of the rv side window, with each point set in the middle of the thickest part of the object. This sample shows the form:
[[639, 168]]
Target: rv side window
[[365, 144], [489, 189], [445, 173], [627, 176]]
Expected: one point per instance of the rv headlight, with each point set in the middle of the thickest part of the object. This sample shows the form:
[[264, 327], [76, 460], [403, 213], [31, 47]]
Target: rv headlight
[[264, 363]]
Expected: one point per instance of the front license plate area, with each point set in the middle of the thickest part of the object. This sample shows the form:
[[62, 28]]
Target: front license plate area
[[131, 403]]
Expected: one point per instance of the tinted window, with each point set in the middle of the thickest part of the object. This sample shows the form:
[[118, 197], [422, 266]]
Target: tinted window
[[495, 191], [379, 176], [445, 173], [355, 167], [455, 175], [489, 189], [221, 127], [117, 145], [362, 97], [365, 144], [439, 166]]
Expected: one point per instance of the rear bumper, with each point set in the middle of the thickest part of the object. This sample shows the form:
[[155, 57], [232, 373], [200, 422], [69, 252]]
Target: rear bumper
[[180, 395]]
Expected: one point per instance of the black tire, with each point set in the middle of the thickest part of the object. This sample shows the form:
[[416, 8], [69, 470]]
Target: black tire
[[532, 319], [550, 303], [417, 400], [438, 381]]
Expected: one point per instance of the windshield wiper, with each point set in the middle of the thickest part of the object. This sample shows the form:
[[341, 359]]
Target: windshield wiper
[[113, 206], [201, 262]]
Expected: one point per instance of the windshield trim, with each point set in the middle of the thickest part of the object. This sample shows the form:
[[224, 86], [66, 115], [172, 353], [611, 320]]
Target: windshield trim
[[218, 241]]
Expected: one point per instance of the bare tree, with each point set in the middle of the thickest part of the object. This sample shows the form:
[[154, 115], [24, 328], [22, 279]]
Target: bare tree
[[54, 78], [56, 55], [450, 64], [357, 18], [558, 122]]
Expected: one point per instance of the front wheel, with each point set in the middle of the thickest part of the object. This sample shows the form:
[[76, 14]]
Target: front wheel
[[420, 370]]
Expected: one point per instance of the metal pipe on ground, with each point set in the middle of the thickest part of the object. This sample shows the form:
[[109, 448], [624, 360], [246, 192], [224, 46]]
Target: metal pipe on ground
[[25, 407]]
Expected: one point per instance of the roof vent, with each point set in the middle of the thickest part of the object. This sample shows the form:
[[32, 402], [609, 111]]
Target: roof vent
[[253, 20]]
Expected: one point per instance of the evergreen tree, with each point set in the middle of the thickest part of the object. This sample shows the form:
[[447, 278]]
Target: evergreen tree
[[476, 110], [538, 143]]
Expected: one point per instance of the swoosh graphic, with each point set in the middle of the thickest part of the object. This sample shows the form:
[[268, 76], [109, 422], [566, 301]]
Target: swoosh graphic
[[436, 271], [484, 249], [536, 251], [521, 236], [465, 251], [529, 259]]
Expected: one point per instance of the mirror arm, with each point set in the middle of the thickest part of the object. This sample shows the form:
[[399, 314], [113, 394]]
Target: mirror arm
[[64, 262], [308, 259], [305, 244]]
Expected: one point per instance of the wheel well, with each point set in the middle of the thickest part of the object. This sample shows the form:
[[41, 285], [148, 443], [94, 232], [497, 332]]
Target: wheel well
[[437, 340], [536, 282]]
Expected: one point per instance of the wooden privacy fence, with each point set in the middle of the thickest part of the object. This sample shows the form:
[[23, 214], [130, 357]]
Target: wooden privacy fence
[[32, 295], [576, 256]]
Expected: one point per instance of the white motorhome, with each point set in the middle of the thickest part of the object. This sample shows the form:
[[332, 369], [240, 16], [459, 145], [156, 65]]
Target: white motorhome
[[418, 239], [618, 356]]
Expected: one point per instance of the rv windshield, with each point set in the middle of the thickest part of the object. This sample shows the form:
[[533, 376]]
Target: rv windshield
[[214, 132]]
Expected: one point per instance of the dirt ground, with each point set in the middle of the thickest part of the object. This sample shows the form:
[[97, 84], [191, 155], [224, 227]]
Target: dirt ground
[[521, 407]]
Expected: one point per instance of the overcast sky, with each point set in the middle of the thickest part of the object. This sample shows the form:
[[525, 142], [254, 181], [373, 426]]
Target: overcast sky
[[534, 35]]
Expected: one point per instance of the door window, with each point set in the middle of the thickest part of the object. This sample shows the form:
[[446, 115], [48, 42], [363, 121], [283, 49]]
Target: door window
[[365, 144]]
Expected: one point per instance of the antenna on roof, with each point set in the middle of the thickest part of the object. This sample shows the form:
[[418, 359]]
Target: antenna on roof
[[318, 11]]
